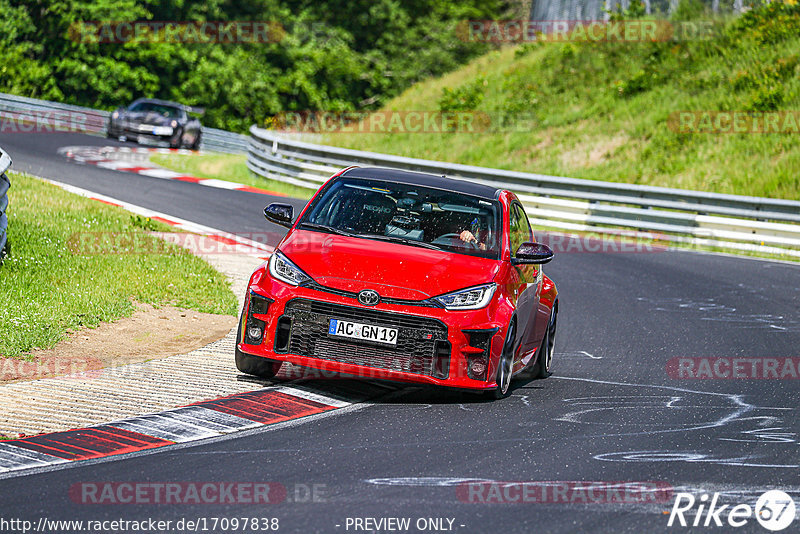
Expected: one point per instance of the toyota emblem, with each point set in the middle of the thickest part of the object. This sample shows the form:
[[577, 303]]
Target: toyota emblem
[[368, 297]]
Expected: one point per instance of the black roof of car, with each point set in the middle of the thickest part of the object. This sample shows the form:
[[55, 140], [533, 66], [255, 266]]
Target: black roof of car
[[160, 102], [424, 179]]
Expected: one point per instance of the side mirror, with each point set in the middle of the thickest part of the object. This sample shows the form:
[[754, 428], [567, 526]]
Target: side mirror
[[280, 214], [532, 253]]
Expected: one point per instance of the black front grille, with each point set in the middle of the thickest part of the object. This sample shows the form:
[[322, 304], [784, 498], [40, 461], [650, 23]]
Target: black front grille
[[422, 346]]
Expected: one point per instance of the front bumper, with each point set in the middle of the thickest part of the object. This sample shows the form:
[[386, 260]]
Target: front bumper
[[435, 346], [145, 135]]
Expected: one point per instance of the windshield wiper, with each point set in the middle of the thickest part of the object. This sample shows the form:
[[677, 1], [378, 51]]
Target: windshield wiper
[[326, 228], [401, 240]]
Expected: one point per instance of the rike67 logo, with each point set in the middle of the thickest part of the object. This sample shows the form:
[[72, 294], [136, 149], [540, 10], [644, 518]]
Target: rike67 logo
[[775, 510]]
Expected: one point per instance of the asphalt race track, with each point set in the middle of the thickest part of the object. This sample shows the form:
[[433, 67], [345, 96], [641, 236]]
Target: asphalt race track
[[610, 413]]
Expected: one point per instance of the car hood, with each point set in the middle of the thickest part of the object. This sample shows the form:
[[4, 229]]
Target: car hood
[[148, 117], [393, 270]]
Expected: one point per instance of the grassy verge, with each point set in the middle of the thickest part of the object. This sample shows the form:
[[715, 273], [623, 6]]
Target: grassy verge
[[601, 110], [50, 284], [230, 167]]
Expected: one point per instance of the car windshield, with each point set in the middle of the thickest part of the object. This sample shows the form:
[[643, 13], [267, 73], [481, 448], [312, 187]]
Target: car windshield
[[408, 214], [162, 109]]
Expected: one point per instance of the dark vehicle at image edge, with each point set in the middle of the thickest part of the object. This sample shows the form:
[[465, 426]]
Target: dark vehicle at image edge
[[403, 276], [149, 121]]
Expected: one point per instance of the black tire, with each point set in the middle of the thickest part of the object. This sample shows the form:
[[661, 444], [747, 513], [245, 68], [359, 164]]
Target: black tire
[[505, 366], [196, 144], [5, 252], [177, 142], [544, 361], [254, 365]]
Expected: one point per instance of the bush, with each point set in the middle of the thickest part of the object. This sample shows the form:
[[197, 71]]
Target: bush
[[464, 98]]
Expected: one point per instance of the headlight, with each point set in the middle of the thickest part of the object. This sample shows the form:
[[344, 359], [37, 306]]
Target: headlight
[[284, 270], [472, 298], [162, 130]]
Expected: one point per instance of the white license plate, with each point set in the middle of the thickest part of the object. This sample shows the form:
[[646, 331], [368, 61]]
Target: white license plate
[[365, 332]]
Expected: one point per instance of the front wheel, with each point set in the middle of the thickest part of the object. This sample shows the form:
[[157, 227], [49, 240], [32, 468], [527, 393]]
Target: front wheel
[[177, 140], [254, 365], [196, 144], [505, 366]]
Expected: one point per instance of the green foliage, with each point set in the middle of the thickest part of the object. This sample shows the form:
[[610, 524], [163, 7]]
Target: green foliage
[[689, 10], [144, 223], [334, 55], [635, 10], [464, 98]]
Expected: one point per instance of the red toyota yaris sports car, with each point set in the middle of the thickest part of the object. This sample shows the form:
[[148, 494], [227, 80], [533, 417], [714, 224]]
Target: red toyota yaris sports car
[[403, 276]]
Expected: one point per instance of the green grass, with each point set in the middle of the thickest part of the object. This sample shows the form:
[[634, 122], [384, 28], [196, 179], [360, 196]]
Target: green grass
[[49, 284], [230, 167], [601, 110]]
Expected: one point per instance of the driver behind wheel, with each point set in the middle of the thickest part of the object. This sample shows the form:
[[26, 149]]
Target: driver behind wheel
[[471, 235]]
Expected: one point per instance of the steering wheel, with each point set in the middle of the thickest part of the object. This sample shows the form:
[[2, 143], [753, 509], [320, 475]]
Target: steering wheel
[[457, 237]]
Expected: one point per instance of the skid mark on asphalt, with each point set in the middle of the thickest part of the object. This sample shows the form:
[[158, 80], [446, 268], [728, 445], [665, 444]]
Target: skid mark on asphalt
[[578, 354], [720, 313], [729, 411], [689, 457]]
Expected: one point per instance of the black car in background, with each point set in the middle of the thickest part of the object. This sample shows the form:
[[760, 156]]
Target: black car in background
[[149, 121]]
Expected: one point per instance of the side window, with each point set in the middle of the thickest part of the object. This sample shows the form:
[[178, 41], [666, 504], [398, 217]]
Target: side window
[[526, 225], [520, 228], [516, 227]]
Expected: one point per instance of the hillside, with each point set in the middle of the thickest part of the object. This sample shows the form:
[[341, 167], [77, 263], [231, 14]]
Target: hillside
[[603, 110]]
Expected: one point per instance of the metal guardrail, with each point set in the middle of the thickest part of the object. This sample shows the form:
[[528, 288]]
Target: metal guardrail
[[733, 221], [55, 116], [5, 184]]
